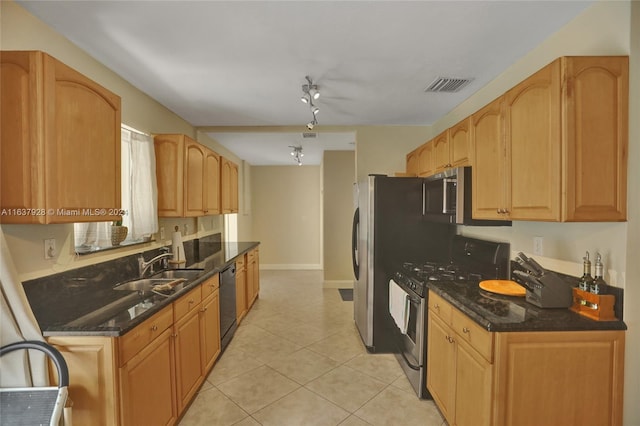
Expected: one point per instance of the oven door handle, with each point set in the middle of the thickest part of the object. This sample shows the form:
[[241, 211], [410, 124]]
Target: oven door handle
[[411, 366]]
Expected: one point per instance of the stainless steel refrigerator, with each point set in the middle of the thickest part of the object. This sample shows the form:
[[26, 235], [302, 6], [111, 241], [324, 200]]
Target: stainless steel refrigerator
[[388, 229]]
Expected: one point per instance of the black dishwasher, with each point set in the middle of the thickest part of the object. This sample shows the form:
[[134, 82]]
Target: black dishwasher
[[227, 305]]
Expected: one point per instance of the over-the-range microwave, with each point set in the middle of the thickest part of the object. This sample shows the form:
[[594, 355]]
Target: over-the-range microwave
[[447, 199]]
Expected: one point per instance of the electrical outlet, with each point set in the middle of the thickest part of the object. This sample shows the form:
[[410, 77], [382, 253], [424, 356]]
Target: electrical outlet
[[49, 248], [538, 248]]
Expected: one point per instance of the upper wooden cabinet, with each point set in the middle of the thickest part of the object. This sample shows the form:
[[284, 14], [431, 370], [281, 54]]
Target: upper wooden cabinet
[[425, 159], [188, 176], [229, 186], [460, 143], [413, 163], [440, 152], [554, 147], [59, 143]]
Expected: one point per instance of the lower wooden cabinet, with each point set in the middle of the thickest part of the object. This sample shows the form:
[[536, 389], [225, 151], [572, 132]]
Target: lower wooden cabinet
[[522, 378], [210, 330], [241, 288], [253, 276], [187, 354], [147, 385]]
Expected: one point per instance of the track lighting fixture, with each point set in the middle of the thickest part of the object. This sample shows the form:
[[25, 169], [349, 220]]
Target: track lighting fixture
[[297, 154], [310, 93]]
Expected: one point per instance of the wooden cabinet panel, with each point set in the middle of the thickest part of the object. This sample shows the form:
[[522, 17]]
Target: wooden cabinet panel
[[93, 378], [460, 143], [210, 331], [188, 176], [440, 152], [57, 126], [413, 163], [170, 175], [229, 186], [187, 303], [532, 137], [489, 165], [241, 288], [480, 339], [187, 358], [194, 178], [210, 286], [425, 159], [132, 342], [596, 108], [441, 365], [212, 183], [474, 387], [148, 386], [576, 376]]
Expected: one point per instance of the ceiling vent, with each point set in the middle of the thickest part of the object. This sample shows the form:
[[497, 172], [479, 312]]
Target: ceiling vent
[[448, 85], [309, 135]]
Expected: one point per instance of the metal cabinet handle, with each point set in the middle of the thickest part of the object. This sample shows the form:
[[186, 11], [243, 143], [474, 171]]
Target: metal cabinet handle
[[191, 301], [154, 327], [436, 306], [465, 330]]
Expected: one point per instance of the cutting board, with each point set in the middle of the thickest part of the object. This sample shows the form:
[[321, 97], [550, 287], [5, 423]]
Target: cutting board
[[505, 287]]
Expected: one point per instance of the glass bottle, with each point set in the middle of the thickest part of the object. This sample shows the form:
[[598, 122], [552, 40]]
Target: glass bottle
[[586, 279], [598, 285]]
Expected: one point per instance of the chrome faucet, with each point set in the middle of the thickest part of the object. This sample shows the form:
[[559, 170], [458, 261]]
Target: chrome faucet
[[144, 266]]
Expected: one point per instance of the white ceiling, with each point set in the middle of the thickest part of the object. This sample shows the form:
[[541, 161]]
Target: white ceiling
[[242, 63]]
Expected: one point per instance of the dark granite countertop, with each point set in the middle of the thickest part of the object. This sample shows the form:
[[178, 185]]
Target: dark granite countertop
[[499, 313], [84, 303]]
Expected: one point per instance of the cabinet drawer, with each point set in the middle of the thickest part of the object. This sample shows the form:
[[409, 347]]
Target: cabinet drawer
[[440, 307], [210, 286], [480, 339], [136, 339], [240, 263], [187, 303]]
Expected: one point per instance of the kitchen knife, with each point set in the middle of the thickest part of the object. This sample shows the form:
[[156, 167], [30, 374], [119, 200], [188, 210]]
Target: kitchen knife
[[531, 282], [531, 265]]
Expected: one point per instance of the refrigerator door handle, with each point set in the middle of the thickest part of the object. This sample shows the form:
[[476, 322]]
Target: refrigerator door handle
[[354, 243]]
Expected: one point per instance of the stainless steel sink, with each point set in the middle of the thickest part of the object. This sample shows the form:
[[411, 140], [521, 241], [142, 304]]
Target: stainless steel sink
[[188, 274], [144, 284]]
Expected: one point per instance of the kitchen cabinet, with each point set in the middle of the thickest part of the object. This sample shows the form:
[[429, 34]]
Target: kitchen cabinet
[[460, 144], [210, 323], [425, 159], [554, 147], [186, 330], [147, 372], [459, 369], [440, 152], [477, 377], [59, 143], [188, 176], [253, 276], [241, 288], [229, 186], [413, 163]]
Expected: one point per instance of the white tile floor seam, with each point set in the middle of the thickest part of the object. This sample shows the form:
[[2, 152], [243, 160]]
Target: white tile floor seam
[[297, 359]]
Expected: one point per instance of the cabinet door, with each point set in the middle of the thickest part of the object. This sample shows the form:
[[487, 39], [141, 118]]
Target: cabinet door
[[440, 152], [425, 159], [532, 132], [234, 188], [82, 150], [413, 164], [212, 183], [474, 388], [489, 163], [460, 143], [596, 108], [210, 331], [225, 185], [441, 366], [170, 174], [187, 353], [194, 178], [21, 147], [241, 289], [147, 385]]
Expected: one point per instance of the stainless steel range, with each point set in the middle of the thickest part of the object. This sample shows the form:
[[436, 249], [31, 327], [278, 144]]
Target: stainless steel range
[[470, 260]]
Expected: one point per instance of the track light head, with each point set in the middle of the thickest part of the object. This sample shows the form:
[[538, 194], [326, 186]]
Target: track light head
[[313, 92], [315, 110], [310, 125], [305, 99]]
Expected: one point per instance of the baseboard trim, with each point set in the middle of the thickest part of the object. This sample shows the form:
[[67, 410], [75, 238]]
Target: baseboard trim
[[338, 284], [300, 266]]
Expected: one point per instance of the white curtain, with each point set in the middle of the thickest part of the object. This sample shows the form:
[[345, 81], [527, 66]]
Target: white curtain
[[18, 323], [142, 194]]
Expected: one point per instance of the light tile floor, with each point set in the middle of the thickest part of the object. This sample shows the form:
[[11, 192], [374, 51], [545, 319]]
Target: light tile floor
[[297, 359]]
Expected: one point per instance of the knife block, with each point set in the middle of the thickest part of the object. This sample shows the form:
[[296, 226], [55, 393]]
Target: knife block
[[598, 307]]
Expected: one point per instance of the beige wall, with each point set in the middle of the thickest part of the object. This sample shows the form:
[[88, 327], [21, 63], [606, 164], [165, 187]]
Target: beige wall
[[338, 174], [287, 214], [19, 30]]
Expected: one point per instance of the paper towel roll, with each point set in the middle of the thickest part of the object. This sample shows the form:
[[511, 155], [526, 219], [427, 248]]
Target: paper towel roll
[[177, 248]]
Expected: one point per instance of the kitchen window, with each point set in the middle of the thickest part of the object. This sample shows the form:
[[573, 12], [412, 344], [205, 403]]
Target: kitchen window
[[139, 199]]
